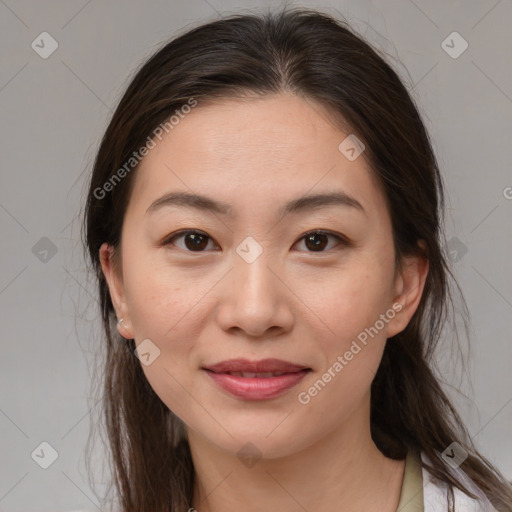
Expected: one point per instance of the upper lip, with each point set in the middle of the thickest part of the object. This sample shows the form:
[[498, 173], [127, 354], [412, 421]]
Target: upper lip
[[264, 365]]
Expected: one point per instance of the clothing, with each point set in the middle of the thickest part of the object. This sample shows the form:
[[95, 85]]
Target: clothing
[[411, 495], [421, 493]]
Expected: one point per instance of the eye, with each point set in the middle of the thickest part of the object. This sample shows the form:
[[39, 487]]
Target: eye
[[317, 240], [195, 241]]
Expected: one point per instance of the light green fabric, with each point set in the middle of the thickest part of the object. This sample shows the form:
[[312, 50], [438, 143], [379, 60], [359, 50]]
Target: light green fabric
[[411, 495]]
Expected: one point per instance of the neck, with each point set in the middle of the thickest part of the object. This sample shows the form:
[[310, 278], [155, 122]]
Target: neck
[[342, 471]]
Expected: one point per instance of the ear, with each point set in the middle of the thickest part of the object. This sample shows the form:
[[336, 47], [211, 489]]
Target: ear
[[113, 276], [408, 290]]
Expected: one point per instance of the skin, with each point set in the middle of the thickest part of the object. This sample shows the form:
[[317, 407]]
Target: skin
[[291, 303]]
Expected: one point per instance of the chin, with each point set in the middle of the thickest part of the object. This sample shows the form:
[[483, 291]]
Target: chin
[[255, 440]]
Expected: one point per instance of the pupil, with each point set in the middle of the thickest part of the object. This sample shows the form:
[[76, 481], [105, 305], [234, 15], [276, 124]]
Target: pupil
[[198, 241], [314, 241], [318, 244]]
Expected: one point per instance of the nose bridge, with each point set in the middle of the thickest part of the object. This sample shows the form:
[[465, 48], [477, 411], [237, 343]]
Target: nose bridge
[[252, 298], [255, 278]]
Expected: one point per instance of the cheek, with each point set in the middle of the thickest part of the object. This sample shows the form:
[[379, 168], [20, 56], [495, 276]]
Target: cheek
[[165, 310], [159, 299], [349, 305], [349, 299]]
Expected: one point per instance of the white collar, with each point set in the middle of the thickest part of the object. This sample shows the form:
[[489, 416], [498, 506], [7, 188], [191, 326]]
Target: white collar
[[435, 493]]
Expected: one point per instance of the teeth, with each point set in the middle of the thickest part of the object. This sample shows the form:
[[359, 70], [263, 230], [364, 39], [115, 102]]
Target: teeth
[[254, 374]]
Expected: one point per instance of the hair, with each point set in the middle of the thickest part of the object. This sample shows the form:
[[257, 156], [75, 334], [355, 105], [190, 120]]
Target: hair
[[314, 56]]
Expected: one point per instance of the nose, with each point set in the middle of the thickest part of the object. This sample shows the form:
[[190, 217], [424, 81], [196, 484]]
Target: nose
[[254, 299]]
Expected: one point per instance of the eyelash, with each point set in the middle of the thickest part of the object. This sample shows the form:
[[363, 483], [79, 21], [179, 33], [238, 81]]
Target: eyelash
[[342, 241]]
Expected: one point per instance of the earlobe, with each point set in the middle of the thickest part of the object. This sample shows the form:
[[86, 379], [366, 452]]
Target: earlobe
[[123, 328], [116, 288], [408, 290]]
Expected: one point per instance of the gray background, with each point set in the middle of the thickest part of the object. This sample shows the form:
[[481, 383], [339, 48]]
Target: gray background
[[54, 112]]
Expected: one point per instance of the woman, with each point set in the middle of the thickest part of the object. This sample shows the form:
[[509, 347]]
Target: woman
[[265, 222]]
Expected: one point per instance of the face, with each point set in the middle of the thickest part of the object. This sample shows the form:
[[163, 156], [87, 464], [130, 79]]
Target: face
[[261, 275]]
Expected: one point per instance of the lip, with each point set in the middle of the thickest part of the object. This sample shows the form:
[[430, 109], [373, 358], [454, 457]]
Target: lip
[[264, 365], [257, 388]]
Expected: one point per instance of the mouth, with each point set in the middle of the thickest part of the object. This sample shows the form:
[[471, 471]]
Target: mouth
[[263, 368], [252, 375], [258, 380]]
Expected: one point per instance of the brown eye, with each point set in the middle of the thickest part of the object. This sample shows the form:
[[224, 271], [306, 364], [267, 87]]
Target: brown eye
[[194, 241], [317, 241]]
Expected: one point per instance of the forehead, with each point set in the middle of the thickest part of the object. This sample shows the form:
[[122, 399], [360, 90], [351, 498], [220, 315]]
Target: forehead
[[247, 151]]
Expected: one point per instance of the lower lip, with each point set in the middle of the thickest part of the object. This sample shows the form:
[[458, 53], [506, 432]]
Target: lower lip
[[257, 388]]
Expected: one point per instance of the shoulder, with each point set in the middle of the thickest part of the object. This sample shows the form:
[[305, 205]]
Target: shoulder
[[435, 494]]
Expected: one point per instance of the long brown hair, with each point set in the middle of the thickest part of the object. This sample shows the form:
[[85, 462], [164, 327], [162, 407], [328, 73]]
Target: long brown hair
[[317, 57]]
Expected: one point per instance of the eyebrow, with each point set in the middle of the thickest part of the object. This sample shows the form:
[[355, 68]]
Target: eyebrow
[[300, 204]]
